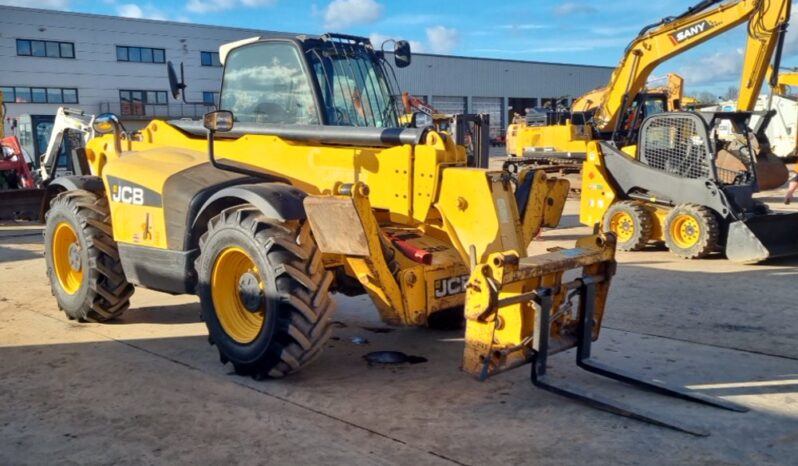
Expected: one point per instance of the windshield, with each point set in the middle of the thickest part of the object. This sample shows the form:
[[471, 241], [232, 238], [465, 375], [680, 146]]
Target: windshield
[[266, 83], [654, 105], [353, 85]]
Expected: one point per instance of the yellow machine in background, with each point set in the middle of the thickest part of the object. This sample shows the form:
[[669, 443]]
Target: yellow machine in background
[[552, 135], [676, 179], [300, 188]]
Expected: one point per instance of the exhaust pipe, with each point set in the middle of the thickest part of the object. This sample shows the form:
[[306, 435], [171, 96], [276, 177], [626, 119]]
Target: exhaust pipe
[[762, 237]]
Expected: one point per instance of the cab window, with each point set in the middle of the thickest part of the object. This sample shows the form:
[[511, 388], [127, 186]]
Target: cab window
[[266, 83]]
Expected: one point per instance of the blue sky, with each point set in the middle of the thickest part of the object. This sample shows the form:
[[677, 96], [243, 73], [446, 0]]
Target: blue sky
[[571, 31]]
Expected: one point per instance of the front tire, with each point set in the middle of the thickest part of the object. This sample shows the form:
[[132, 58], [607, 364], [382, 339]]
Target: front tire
[[82, 259], [631, 223], [691, 231], [264, 292]]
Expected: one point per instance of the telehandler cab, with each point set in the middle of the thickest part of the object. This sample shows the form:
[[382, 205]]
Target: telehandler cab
[[305, 185]]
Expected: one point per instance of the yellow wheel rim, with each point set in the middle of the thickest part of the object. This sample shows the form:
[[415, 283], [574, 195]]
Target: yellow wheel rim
[[67, 258], [622, 224], [237, 293], [685, 231]]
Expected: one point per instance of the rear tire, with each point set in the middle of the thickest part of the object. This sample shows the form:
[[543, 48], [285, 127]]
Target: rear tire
[[82, 259], [264, 292], [691, 231], [632, 224]]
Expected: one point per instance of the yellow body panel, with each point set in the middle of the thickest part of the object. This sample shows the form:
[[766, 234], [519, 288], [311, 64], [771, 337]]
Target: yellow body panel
[[412, 200], [597, 194], [567, 138], [163, 151]]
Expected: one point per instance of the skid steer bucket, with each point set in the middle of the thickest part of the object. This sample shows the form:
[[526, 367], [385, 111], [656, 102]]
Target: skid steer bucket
[[21, 204], [762, 237]]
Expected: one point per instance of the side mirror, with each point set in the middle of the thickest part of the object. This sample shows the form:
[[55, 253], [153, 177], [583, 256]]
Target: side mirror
[[175, 87], [218, 121], [105, 123], [401, 54]]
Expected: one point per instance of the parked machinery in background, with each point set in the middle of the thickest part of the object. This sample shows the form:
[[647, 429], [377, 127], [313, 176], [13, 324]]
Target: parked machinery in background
[[677, 177], [43, 148], [561, 135]]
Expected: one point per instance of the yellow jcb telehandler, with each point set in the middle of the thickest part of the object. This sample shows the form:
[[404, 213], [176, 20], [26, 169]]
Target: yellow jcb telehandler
[[305, 185]]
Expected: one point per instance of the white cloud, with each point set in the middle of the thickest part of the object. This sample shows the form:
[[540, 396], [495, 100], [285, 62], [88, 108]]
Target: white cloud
[[209, 6], [46, 4], [341, 14], [572, 8], [377, 39], [791, 41], [212, 6], [524, 27], [442, 39], [131, 10], [258, 3], [551, 49], [718, 67]]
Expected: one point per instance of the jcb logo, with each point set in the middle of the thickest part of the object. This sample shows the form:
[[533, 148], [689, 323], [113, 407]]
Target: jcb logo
[[450, 286], [128, 195], [126, 192]]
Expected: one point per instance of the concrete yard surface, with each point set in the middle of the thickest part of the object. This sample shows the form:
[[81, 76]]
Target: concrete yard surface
[[149, 389]]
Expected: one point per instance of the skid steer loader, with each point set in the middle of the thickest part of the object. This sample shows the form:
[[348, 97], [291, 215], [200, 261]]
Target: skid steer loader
[[305, 185], [690, 183]]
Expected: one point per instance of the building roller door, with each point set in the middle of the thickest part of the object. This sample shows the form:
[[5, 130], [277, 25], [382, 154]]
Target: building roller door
[[448, 104], [493, 107]]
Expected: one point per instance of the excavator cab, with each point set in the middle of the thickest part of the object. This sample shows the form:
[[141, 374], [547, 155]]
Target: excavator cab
[[644, 105]]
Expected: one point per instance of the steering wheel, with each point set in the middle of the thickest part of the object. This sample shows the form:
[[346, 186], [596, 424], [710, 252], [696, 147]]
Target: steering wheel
[[341, 117]]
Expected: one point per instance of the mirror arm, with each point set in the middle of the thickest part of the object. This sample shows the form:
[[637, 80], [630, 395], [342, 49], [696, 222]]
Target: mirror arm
[[211, 154]]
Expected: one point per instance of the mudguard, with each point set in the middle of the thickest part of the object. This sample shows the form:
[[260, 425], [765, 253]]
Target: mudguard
[[276, 200], [69, 183]]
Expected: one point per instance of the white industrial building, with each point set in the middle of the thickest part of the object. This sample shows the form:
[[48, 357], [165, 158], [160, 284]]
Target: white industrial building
[[105, 63]]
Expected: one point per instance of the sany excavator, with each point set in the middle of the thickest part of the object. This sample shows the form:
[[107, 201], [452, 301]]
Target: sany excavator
[[557, 136], [676, 176], [301, 187]]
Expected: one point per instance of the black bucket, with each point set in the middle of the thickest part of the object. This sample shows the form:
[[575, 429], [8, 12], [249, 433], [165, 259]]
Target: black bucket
[[21, 204], [762, 237]]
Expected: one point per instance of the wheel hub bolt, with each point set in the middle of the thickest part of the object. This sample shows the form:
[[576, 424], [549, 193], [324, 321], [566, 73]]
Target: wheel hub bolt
[[249, 292], [74, 257]]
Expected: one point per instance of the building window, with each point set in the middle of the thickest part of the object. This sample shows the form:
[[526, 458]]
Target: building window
[[39, 95], [210, 59], [210, 98], [45, 48], [134, 102], [140, 54]]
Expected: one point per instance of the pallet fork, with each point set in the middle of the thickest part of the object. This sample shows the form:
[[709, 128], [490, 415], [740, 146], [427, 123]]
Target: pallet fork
[[586, 289]]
